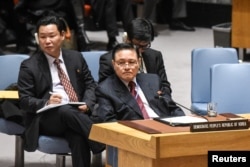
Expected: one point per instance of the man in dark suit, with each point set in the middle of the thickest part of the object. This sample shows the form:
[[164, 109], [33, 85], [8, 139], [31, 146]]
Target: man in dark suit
[[108, 12], [114, 95], [29, 11], [172, 12], [140, 33], [40, 75]]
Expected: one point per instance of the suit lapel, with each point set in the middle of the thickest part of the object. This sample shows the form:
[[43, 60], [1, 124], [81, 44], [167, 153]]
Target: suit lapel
[[70, 68], [149, 88], [145, 86], [43, 65], [148, 63], [124, 95]]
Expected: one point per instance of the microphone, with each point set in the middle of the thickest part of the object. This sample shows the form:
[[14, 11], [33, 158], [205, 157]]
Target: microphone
[[180, 105]]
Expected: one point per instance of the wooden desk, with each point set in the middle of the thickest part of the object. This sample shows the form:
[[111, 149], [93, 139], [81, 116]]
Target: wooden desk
[[241, 23], [8, 94], [183, 149]]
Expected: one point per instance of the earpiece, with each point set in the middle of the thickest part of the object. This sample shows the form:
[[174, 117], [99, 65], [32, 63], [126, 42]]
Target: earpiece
[[124, 37], [36, 38]]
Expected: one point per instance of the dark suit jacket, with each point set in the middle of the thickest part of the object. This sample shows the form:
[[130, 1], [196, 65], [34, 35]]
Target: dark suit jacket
[[116, 102], [153, 61], [35, 82]]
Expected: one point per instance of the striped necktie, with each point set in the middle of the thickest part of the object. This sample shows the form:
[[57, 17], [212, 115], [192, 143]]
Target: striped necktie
[[131, 85], [66, 82]]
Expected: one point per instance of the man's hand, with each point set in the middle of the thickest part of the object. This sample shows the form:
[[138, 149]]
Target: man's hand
[[83, 108], [55, 99]]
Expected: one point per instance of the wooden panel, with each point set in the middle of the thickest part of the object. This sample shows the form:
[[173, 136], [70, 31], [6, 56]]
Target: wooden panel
[[128, 139], [179, 145], [8, 94], [189, 161], [129, 159], [241, 24]]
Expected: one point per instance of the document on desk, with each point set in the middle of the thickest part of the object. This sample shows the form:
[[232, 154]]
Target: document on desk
[[50, 106], [181, 120]]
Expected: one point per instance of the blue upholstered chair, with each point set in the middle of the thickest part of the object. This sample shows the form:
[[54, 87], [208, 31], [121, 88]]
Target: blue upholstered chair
[[54, 145], [230, 87], [58, 145], [9, 69], [92, 59], [202, 60]]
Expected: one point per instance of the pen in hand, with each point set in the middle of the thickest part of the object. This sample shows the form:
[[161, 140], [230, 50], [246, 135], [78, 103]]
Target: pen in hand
[[55, 98], [51, 93]]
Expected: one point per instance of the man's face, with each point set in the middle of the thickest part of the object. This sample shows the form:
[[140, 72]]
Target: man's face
[[50, 39], [141, 45], [126, 64]]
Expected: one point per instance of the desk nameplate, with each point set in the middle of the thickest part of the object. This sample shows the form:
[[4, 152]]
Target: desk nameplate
[[220, 125]]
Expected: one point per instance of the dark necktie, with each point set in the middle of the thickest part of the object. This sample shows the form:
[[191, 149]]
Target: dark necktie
[[131, 85], [141, 69], [66, 83]]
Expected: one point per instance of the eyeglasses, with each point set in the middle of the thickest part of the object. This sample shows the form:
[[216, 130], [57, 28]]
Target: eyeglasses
[[142, 46], [124, 64]]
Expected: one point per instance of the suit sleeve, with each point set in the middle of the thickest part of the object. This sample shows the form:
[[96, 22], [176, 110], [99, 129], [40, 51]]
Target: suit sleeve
[[105, 110], [27, 90], [162, 73], [87, 85], [106, 68]]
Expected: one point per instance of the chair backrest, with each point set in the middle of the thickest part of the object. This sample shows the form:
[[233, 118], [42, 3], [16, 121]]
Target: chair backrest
[[202, 60], [9, 68], [230, 87], [92, 59]]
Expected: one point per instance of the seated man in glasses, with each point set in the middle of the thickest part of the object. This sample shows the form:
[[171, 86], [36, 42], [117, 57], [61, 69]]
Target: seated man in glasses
[[140, 33], [129, 95]]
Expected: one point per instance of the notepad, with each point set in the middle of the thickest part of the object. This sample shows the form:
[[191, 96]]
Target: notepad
[[232, 116], [181, 120], [50, 106]]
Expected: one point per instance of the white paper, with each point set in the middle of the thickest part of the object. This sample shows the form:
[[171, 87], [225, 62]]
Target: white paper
[[184, 120], [50, 106]]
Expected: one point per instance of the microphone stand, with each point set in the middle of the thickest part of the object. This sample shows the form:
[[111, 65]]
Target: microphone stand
[[180, 105]]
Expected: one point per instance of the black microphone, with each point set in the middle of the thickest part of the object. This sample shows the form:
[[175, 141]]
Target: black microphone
[[180, 105]]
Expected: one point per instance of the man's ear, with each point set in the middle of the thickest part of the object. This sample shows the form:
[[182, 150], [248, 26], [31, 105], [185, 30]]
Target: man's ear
[[66, 33], [140, 60], [113, 62], [63, 35]]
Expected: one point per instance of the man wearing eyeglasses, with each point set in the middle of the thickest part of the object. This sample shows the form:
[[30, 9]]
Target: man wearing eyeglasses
[[140, 33], [129, 95]]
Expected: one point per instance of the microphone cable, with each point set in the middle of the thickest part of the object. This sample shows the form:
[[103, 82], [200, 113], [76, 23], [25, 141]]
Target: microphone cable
[[180, 105]]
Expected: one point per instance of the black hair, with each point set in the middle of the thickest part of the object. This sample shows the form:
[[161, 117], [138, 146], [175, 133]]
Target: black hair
[[124, 46], [51, 19], [140, 29]]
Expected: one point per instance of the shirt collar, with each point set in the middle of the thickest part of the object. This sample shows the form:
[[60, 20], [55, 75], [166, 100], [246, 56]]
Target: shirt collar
[[126, 83], [52, 59]]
